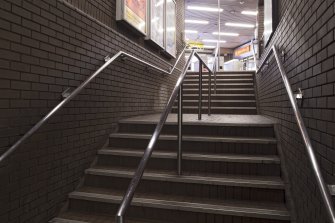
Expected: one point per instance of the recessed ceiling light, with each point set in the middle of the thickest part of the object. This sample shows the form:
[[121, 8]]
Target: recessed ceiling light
[[213, 41], [202, 8], [225, 34], [193, 21], [209, 47], [240, 25], [190, 31], [249, 12]]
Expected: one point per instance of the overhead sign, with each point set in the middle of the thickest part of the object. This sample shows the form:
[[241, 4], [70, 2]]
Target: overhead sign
[[195, 44], [242, 50]]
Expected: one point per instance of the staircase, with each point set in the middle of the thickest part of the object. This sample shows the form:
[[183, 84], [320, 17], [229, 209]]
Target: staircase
[[231, 170], [235, 93]]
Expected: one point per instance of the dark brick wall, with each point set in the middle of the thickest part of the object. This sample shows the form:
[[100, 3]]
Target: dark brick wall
[[47, 46], [306, 33]]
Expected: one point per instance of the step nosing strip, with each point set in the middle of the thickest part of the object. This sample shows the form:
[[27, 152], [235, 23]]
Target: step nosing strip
[[223, 181], [196, 157], [199, 138], [187, 206]]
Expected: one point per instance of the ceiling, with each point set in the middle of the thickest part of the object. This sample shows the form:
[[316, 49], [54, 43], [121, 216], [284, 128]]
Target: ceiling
[[231, 13]]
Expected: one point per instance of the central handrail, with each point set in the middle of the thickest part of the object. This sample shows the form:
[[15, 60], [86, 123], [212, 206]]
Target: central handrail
[[325, 193], [108, 61], [215, 65], [155, 136]]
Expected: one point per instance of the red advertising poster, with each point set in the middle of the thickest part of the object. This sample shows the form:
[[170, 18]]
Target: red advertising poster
[[136, 14]]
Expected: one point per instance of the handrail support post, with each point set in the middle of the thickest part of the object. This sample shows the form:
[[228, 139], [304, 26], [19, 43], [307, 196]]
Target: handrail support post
[[200, 91], [180, 130]]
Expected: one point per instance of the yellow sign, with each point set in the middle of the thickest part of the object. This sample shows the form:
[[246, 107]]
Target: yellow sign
[[195, 44]]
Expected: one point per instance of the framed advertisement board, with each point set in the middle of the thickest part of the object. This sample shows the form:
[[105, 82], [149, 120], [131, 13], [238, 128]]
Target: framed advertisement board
[[170, 28], [133, 12], [157, 26], [270, 19]]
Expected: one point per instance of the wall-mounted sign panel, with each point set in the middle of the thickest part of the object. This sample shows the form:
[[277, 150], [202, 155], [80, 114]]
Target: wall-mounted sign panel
[[134, 12], [170, 28], [157, 12]]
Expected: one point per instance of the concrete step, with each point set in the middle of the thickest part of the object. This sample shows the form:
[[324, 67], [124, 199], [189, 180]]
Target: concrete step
[[220, 103], [218, 85], [218, 110], [194, 163], [197, 138], [236, 90], [204, 128], [88, 217], [198, 144], [233, 158], [218, 81], [210, 186], [188, 96], [162, 205]]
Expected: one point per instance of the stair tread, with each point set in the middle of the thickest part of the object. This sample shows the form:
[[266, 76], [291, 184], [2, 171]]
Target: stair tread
[[214, 107], [220, 84], [233, 79], [267, 210], [269, 182], [85, 217], [225, 89], [228, 95], [206, 100], [198, 138], [195, 156]]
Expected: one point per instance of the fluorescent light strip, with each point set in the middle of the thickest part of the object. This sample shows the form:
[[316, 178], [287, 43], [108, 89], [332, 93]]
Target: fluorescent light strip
[[190, 31], [205, 9], [225, 34], [209, 47], [249, 12], [233, 24], [213, 41], [192, 21]]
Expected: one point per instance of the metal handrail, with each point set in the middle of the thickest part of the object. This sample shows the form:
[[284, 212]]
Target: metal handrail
[[325, 193], [147, 153], [108, 61]]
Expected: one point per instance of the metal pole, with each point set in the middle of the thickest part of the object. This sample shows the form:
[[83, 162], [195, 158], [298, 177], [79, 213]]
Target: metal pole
[[209, 92], [219, 24], [200, 90], [180, 134]]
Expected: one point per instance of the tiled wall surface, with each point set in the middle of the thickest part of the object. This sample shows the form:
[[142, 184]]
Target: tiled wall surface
[[306, 34], [47, 46]]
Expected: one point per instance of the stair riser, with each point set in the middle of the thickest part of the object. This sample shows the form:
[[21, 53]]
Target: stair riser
[[219, 81], [176, 216], [219, 86], [221, 91], [218, 111], [219, 103], [198, 147], [193, 166], [217, 97], [224, 131], [189, 190]]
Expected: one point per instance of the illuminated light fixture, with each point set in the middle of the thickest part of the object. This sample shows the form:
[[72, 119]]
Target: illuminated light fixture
[[225, 34], [205, 9], [240, 25], [192, 21], [249, 12], [209, 47], [190, 31], [213, 41]]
